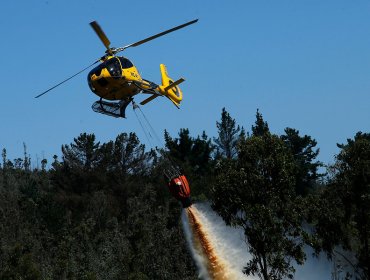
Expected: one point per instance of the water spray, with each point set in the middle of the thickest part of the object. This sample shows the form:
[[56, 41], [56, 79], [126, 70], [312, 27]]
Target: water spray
[[219, 251]]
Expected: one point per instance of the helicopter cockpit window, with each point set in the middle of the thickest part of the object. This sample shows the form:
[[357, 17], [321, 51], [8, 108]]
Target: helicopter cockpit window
[[125, 62], [113, 67]]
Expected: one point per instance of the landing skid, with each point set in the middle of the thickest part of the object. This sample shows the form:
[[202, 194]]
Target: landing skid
[[113, 109]]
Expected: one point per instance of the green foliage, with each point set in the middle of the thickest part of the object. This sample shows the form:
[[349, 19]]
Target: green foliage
[[256, 192], [194, 155], [102, 210], [93, 215], [82, 153], [20, 265], [344, 213], [261, 127], [228, 136], [302, 148]]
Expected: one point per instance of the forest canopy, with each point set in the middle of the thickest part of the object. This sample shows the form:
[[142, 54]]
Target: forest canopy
[[102, 210]]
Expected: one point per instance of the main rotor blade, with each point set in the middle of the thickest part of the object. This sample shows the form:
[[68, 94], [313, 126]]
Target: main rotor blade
[[46, 91], [101, 34], [158, 35]]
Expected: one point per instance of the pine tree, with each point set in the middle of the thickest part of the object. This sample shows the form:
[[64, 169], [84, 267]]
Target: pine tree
[[27, 159], [261, 127], [304, 153], [228, 135], [82, 153], [129, 154]]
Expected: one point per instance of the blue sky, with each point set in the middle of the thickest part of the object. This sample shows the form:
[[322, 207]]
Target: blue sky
[[304, 64]]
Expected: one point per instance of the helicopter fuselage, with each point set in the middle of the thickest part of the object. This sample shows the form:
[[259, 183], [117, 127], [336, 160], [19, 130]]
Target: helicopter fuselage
[[115, 78]]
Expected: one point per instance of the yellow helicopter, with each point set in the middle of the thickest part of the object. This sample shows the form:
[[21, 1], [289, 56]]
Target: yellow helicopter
[[117, 79]]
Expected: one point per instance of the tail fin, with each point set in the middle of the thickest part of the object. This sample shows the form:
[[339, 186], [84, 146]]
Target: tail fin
[[170, 88]]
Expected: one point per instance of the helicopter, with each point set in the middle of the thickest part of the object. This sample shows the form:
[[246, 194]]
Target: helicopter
[[116, 80]]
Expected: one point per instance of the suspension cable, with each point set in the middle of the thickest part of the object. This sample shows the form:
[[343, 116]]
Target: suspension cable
[[142, 127], [174, 169], [151, 128]]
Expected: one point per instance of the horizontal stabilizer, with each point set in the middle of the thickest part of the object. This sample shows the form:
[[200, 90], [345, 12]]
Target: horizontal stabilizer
[[174, 84], [148, 99]]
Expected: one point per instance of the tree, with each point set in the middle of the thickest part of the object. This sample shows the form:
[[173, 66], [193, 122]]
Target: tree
[[78, 170], [82, 153], [304, 153], [228, 135], [98, 208], [27, 159], [256, 192], [351, 187], [180, 148], [20, 265], [261, 127], [194, 154], [44, 162], [129, 154], [7, 167]]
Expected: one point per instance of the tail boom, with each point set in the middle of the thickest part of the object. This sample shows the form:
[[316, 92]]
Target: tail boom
[[170, 88]]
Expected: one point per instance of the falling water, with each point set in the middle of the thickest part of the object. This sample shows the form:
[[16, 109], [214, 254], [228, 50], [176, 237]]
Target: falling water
[[220, 252]]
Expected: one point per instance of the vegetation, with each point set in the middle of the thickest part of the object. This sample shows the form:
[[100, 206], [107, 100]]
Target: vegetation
[[345, 204], [272, 188], [98, 213], [102, 211], [257, 192]]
